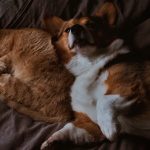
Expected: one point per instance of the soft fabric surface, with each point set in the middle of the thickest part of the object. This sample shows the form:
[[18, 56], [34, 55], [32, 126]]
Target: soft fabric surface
[[22, 133]]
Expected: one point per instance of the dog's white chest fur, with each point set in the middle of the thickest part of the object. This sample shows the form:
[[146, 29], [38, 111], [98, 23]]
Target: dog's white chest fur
[[84, 93]]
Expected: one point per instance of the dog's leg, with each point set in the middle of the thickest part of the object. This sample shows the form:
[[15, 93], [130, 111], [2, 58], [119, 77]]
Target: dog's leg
[[106, 116], [80, 131]]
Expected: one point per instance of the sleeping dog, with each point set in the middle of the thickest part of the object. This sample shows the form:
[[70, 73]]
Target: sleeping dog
[[110, 94]]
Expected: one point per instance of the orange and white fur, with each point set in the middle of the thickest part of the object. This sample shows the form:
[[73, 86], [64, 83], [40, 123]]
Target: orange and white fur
[[108, 91]]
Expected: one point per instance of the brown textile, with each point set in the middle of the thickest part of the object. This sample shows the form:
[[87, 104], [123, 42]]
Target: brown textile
[[18, 132]]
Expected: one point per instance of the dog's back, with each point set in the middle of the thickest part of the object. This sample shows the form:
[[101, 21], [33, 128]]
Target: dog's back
[[130, 78]]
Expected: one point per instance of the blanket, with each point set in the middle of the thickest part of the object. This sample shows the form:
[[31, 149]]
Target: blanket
[[19, 132]]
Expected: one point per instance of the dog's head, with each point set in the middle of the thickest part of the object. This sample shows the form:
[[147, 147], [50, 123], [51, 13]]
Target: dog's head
[[87, 35]]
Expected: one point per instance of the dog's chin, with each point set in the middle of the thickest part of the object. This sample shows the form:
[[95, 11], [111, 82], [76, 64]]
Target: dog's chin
[[86, 50], [77, 43], [81, 46]]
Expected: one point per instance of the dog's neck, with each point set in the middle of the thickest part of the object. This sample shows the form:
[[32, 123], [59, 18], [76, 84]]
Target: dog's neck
[[80, 64]]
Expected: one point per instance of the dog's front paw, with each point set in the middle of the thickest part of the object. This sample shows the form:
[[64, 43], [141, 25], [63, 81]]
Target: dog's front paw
[[110, 131], [69, 133]]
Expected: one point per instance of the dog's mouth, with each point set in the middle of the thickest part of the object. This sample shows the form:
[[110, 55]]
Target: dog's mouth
[[79, 37]]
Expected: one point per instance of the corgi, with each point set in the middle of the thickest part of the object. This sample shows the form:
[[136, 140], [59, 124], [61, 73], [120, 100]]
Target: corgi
[[110, 94]]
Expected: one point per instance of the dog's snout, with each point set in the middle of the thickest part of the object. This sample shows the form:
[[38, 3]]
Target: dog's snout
[[76, 29]]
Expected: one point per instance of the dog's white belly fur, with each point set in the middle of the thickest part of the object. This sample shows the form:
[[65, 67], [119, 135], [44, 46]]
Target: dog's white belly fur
[[85, 91], [82, 98], [88, 96]]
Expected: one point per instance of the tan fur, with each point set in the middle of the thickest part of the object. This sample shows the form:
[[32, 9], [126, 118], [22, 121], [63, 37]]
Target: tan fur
[[83, 121], [129, 80], [34, 81], [109, 10]]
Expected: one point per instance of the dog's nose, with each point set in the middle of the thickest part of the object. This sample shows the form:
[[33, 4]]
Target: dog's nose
[[76, 29]]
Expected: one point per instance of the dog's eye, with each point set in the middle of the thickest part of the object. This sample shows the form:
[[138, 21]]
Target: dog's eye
[[67, 30]]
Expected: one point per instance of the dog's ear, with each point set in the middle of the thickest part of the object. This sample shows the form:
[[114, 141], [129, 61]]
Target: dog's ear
[[109, 11], [53, 25]]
